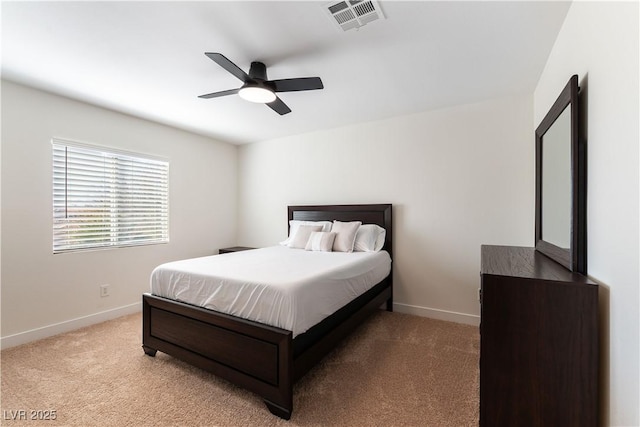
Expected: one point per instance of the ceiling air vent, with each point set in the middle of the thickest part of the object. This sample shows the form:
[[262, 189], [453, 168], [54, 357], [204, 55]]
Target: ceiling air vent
[[353, 13]]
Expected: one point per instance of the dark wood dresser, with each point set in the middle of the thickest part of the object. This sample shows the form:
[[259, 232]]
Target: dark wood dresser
[[539, 341]]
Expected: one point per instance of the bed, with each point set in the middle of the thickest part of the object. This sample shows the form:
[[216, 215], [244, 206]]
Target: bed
[[259, 357]]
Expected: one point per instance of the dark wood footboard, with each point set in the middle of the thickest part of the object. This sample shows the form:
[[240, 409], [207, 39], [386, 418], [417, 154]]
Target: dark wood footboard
[[254, 356], [251, 355]]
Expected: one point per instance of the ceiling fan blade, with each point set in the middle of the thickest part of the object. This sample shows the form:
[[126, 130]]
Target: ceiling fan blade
[[279, 107], [292, 85], [219, 94], [222, 61]]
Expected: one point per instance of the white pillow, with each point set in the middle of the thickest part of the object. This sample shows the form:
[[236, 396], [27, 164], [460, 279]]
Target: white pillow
[[295, 223], [369, 238], [321, 241], [299, 241], [345, 235]]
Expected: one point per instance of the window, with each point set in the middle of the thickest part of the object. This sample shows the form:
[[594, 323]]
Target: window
[[103, 198]]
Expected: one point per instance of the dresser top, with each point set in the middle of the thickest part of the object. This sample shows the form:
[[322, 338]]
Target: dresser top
[[524, 262]]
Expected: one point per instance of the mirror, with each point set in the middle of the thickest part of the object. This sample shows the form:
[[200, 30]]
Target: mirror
[[556, 182], [561, 183]]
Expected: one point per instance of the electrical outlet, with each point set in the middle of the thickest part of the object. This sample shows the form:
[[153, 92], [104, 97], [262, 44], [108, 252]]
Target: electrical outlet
[[104, 290]]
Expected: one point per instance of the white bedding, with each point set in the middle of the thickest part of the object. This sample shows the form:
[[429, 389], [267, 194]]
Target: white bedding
[[288, 288]]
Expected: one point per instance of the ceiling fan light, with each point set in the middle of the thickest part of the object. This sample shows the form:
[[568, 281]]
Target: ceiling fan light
[[257, 94]]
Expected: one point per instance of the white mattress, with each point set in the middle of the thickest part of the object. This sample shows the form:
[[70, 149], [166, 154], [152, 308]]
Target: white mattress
[[288, 288]]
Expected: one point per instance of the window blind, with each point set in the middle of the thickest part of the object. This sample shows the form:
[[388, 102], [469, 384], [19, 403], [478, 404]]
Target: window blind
[[104, 198]]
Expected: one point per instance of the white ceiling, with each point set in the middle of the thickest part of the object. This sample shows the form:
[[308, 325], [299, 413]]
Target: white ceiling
[[147, 58]]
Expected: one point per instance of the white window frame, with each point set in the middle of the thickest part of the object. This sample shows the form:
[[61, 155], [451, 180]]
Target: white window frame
[[107, 198]]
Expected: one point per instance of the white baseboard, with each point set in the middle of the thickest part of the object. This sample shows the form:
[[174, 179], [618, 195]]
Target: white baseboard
[[434, 313], [66, 326]]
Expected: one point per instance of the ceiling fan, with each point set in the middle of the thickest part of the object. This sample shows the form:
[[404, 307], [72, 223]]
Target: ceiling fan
[[257, 88]]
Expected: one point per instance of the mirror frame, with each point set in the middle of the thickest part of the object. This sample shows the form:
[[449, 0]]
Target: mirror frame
[[575, 257]]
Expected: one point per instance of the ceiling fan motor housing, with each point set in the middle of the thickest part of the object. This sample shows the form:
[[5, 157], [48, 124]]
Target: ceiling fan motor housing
[[258, 71], [258, 76]]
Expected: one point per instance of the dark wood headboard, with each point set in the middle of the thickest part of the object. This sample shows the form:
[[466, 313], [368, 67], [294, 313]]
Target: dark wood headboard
[[379, 214]]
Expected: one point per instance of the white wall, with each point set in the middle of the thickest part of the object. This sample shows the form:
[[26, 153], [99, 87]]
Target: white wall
[[599, 42], [457, 178], [41, 290]]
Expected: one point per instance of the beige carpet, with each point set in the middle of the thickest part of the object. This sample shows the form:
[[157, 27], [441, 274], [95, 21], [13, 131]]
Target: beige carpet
[[395, 370]]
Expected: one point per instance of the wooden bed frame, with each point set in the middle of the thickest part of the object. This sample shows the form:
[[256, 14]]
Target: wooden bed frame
[[261, 358]]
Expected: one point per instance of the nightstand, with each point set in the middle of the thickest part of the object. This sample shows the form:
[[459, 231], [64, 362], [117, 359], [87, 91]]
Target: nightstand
[[234, 249]]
